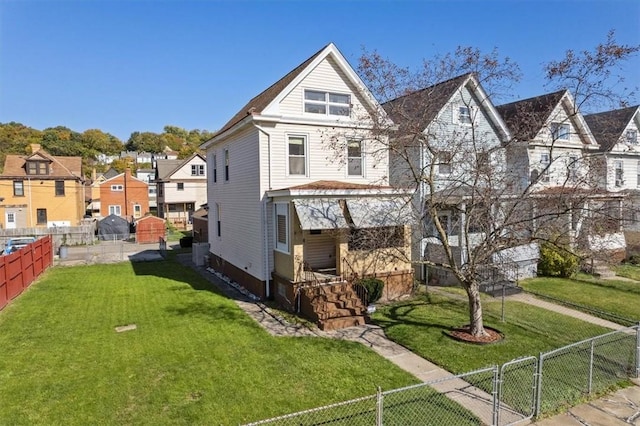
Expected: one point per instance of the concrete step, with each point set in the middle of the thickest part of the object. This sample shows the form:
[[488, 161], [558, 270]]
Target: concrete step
[[341, 322]]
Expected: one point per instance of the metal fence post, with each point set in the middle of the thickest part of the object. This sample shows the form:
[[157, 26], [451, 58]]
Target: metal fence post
[[538, 393], [638, 351], [590, 384], [379, 406], [497, 384]]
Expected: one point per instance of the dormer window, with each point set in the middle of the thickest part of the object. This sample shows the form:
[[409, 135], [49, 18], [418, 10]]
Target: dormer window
[[560, 131], [327, 103], [632, 136], [37, 168]]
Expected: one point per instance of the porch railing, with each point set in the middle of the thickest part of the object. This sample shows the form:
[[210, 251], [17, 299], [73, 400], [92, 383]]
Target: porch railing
[[350, 275]]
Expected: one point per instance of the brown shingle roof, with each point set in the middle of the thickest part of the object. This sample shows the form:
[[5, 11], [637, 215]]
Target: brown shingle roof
[[416, 110], [526, 117], [60, 167], [261, 101], [607, 127]]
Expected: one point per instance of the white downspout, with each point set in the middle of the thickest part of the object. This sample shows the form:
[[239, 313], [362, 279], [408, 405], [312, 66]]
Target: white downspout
[[265, 218]]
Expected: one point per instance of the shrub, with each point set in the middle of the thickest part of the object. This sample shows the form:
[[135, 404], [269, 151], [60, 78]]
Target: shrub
[[374, 288], [557, 262]]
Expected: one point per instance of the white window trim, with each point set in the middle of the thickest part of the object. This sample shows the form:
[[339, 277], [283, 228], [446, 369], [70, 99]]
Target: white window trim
[[326, 103], [559, 125], [362, 159], [306, 153], [281, 209], [137, 210], [117, 188], [218, 222], [545, 168], [634, 140], [618, 183], [116, 208], [214, 175], [638, 174], [457, 115], [227, 165]]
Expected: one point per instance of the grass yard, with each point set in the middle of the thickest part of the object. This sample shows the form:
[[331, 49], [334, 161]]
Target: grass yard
[[628, 270], [195, 357], [419, 324], [621, 298]]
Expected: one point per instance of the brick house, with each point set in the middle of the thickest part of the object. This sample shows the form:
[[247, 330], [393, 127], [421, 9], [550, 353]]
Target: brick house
[[124, 195]]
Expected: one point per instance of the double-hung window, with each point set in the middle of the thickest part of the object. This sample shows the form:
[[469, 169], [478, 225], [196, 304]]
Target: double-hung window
[[59, 188], [632, 136], [214, 160], [218, 221], [226, 165], [464, 115], [638, 174], [619, 174], [115, 210], [297, 155], [282, 227], [354, 158], [545, 163], [572, 168], [180, 186], [18, 188], [444, 159], [41, 216], [327, 103], [560, 131]]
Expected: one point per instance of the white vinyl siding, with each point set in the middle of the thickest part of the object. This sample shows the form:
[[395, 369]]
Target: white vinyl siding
[[240, 200], [326, 77]]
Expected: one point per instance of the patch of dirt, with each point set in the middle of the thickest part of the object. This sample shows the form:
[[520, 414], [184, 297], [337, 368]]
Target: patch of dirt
[[463, 334]]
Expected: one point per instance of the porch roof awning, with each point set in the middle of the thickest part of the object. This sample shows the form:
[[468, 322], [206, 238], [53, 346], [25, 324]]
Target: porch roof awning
[[318, 213], [379, 212]]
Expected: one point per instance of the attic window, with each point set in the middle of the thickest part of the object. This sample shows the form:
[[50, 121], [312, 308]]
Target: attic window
[[632, 136], [327, 103], [559, 131], [464, 115], [37, 168]]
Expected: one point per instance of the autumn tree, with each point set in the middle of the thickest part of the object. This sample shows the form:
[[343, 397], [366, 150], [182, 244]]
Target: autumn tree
[[475, 205]]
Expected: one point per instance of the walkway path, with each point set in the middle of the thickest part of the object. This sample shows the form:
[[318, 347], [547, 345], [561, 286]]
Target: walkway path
[[474, 399]]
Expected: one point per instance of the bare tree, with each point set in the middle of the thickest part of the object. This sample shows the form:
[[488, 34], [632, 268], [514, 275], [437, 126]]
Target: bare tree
[[482, 201]]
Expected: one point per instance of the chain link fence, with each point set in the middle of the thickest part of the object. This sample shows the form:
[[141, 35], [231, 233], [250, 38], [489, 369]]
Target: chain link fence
[[519, 390]]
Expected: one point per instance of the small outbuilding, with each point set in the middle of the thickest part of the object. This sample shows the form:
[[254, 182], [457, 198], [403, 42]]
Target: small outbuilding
[[112, 228], [149, 229], [200, 220]]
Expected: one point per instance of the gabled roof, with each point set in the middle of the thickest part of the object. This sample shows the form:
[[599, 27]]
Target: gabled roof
[[59, 167], [166, 168], [527, 117], [422, 106], [607, 127], [270, 95]]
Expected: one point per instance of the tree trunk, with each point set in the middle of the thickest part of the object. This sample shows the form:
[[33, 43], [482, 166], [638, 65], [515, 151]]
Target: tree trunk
[[476, 324]]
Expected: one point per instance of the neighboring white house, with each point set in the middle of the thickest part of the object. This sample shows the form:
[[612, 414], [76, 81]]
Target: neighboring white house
[[617, 132], [292, 180], [554, 155], [181, 188], [149, 175], [451, 149]]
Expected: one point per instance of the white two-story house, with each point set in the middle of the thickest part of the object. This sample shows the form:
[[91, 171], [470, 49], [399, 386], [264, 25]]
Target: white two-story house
[[296, 196], [181, 189], [554, 155], [619, 167]]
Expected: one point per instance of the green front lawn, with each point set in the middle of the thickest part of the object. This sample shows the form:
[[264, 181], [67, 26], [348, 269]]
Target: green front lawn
[[419, 325], [621, 298], [628, 270], [195, 357]]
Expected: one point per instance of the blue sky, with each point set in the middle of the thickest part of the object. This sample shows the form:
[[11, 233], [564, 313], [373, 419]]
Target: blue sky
[[124, 66]]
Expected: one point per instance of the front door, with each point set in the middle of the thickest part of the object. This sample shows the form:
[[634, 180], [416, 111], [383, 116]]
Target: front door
[[10, 221]]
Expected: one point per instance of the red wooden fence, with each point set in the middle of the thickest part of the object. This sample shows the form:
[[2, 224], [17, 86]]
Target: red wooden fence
[[19, 269]]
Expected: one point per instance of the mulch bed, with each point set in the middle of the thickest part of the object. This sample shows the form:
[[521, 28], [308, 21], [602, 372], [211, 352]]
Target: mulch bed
[[463, 334]]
